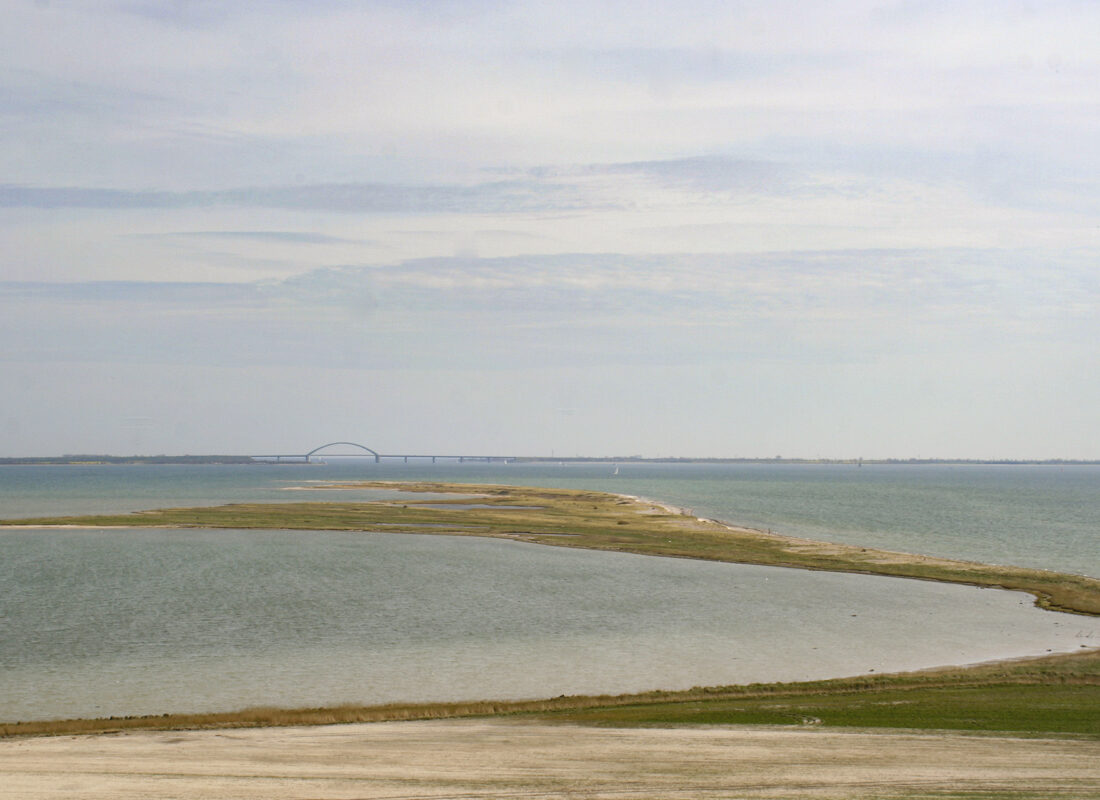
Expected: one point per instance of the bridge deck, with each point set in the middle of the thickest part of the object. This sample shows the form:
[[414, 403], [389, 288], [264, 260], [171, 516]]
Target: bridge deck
[[377, 457]]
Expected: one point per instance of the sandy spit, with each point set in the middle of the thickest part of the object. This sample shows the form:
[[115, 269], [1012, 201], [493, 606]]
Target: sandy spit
[[508, 759]]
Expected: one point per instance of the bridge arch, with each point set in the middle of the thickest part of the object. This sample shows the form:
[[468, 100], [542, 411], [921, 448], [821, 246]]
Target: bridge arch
[[377, 457]]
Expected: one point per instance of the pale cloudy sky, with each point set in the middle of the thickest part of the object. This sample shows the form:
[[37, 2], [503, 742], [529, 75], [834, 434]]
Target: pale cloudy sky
[[822, 229]]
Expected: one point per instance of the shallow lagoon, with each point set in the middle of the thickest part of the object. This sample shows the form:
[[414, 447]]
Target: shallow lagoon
[[136, 621], [122, 622]]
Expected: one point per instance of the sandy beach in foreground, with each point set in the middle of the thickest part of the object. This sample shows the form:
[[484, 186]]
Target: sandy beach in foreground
[[507, 759]]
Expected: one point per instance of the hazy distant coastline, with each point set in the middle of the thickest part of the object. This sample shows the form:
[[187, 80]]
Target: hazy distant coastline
[[243, 459], [102, 459]]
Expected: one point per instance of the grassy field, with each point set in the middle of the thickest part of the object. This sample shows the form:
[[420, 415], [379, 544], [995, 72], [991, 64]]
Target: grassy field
[[1031, 709], [1057, 695], [1054, 695], [1050, 695]]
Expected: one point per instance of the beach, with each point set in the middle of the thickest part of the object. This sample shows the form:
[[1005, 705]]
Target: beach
[[500, 758]]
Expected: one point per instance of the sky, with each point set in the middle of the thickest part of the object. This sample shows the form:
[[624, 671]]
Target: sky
[[692, 228]]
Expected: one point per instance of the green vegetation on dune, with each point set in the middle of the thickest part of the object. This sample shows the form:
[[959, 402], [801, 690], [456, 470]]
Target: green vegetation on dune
[[1021, 709], [1049, 695]]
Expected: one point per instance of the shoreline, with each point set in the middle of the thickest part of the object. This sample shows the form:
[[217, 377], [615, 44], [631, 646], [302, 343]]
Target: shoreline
[[735, 527]]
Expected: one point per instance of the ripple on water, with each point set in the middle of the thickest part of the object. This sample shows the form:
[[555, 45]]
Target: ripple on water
[[138, 621]]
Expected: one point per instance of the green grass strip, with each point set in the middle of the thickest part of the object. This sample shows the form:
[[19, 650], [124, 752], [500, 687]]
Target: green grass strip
[[1052, 695]]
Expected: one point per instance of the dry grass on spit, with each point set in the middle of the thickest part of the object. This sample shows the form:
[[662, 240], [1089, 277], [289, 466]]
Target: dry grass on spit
[[600, 521]]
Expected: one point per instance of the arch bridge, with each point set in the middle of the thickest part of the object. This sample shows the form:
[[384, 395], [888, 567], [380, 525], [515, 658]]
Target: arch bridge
[[377, 457], [304, 458]]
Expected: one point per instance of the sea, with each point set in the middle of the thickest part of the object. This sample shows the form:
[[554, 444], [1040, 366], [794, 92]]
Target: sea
[[112, 622]]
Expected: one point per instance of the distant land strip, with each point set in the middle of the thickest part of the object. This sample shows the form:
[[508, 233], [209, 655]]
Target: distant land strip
[[595, 521], [91, 459], [102, 459]]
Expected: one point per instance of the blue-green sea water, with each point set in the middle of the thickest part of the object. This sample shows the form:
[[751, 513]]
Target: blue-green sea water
[[109, 622]]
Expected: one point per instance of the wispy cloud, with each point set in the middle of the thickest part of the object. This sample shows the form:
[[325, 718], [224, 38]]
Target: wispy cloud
[[700, 173], [581, 308], [665, 69], [546, 188], [496, 197], [280, 237], [295, 186]]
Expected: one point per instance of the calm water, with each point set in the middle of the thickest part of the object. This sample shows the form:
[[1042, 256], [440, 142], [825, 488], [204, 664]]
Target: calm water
[[150, 621]]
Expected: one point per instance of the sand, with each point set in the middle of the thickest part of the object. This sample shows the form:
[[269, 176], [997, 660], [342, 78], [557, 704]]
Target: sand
[[509, 759]]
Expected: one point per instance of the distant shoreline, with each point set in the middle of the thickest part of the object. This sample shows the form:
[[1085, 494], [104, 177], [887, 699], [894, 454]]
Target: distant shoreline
[[96, 460]]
